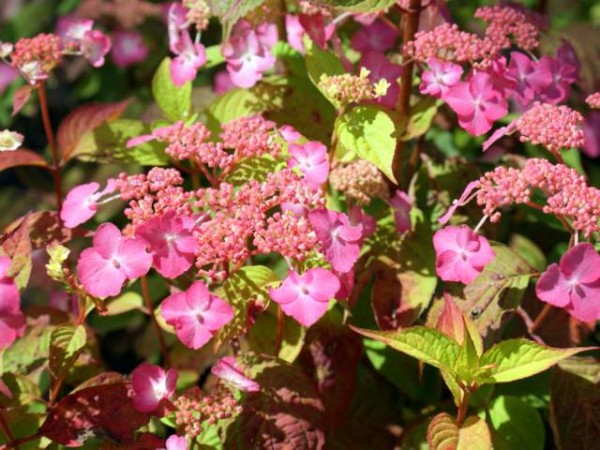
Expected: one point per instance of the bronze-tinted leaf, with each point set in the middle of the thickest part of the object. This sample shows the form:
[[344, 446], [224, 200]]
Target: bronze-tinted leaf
[[21, 157]]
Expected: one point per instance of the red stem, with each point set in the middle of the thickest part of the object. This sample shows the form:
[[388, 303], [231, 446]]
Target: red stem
[[541, 317], [463, 408]]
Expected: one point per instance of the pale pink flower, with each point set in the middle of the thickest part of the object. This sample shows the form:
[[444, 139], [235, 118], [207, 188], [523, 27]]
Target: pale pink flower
[[229, 370], [190, 57], [222, 82], [128, 48], [177, 443], [380, 67], [289, 133], [113, 259], [339, 240], [312, 160], [294, 32], [440, 77], [10, 140], [94, 47], [151, 385], [306, 297], [171, 241], [8, 74], [81, 203], [176, 23], [461, 254], [593, 100], [196, 314], [377, 37], [402, 206], [12, 320], [477, 103], [73, 28], [574, 283]]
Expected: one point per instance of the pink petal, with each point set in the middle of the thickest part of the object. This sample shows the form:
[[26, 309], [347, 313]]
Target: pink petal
[[553, 288], [99, 276]]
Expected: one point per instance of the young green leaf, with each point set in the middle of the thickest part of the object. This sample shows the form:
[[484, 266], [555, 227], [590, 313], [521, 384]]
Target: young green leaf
[[444, 434], [66, 342], [360, 6], [321, 62], [515, 424], [174, 101]]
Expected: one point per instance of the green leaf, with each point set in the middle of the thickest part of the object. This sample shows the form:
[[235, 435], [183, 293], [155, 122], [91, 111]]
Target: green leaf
[[108, 143], [497, 290], [66, 342], [253, 169], [360, 6], [425, 344], [174, 101], [17, 246], [230, 11], [368, 132], [421, 118], [262, 336], [515, 425], [126, 302], [321, 62], [529, 251], [514, 359]]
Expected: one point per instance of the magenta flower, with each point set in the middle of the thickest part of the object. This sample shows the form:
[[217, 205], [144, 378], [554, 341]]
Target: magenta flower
[[171, 241], [112, 260], [591, 133], [128, 48], [574, 283], [94, 47], [73, 28], [314, 25], [440, 77], [376, 37], [562, 75], [357, 217], [402, 206], [248, 53], [196, 314], [289, 133], [81, 203], [380, 67], [312, 160], [294, 32], [461, 254], [306, 297], [477, 103], [339, 240], [222, 82], [151, 385], [528, 77], [176, 443], [190, 57], [230, 371], [8, 74], [12, 320]]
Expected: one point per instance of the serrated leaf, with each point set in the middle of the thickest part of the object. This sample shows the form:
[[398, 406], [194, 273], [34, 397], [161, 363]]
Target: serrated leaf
[[20, 98], [17, 246], [66, 342], [108, 143], [515, 359], [474, 434], [321, 62], [262, 335], [126, 302], [21, 157], [360, 6], [444, 434], [368, 132], [420, 120], [253, 169], [425, 344], [174, 101], [515, 425]]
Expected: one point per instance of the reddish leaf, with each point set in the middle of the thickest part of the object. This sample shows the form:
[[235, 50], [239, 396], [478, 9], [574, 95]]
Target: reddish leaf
[[45, 228], [21, 157], [451, 321], [390, 311], [287, 413], [331, 357], [84, 119], [104, 411], [17, 246], [20, 97]]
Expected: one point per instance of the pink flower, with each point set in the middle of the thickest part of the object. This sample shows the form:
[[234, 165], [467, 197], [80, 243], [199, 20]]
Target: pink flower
[[289, 133], [591, 133], [112, 260], [177, 443], [574, 283], [312, 160], [338, 238], [171, 241], [196, 314], [461, 254], [306, 297], [477, 103], [222, 82], [12, 320], [8, 74], [347, 281], [377, 37], [529, 77], [562, 75], [151, 385], [440, 77], [230, 371], [402, 206], [81, 203], [295, 32], [190, 57], [94, 47], [128, 48], [357, 217], [248, 53], [73, 28], [314, 25], [380, 67]]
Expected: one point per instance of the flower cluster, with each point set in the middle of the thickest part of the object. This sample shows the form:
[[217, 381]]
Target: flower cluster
[[593, 100], [360, 181], [346, 88]]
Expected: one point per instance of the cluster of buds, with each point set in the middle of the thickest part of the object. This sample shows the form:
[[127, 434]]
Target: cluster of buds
[[198, 13], [346, 88], [360, 181], [593, 100]]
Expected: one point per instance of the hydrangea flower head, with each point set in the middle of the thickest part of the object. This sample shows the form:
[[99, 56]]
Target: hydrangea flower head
[[440, 77], [81, 203], [196, 314], [312, 160], [339, 240], [112, 260], [305, 297], [171, 241], [151, 385], [229, 370], [12, 320], [461, 254], [574, 283]]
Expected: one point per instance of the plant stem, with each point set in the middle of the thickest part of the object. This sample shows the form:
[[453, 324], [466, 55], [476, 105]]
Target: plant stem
[[279, 332], [541, 317], [161, 340], [6, 430], [410, 25], [463, 408], [55, 169]]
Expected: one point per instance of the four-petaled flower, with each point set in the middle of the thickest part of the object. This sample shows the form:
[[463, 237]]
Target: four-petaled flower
[[574, 283], [112, 259], [306, 297], [81, 203], [229, 370], [440, 77], [12, 320], [461, 254], [151, 385], [196, 314], [312, 160]]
